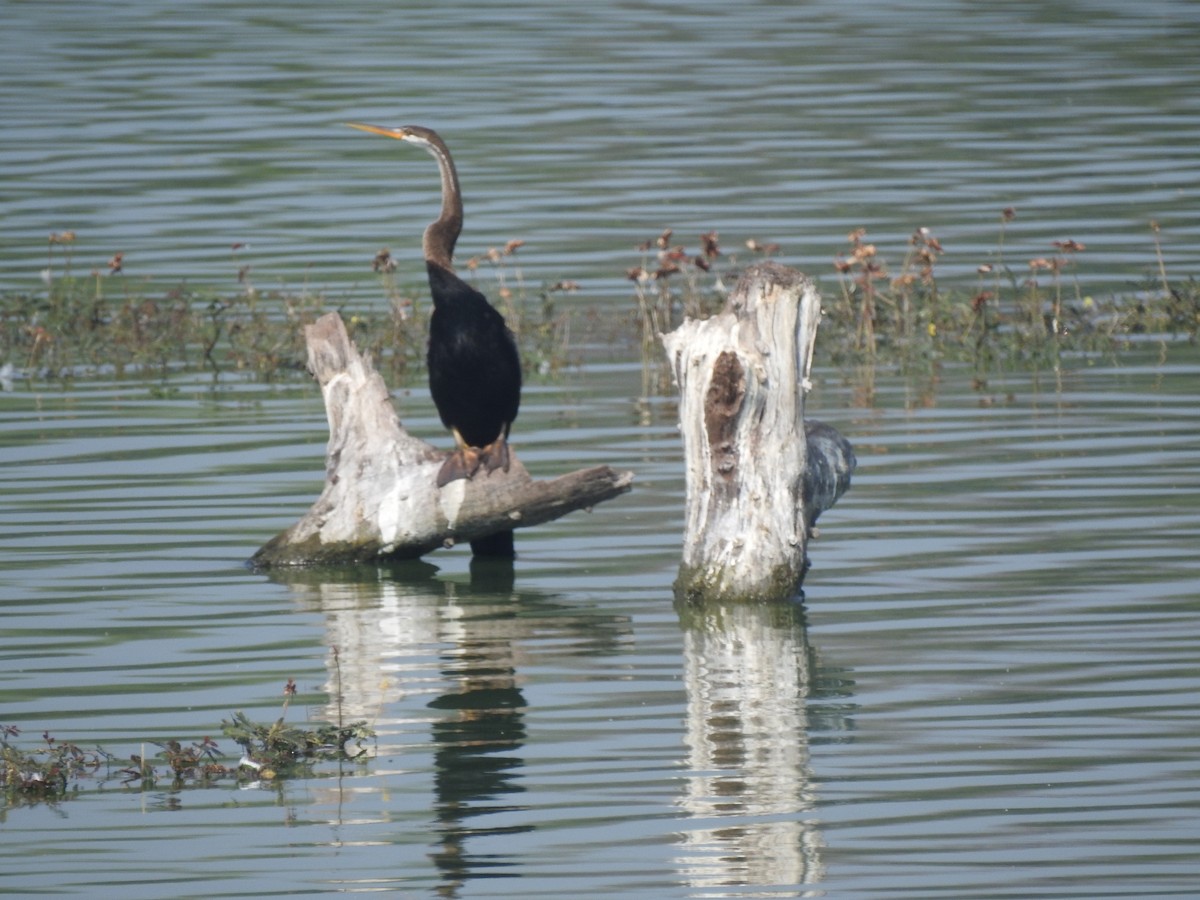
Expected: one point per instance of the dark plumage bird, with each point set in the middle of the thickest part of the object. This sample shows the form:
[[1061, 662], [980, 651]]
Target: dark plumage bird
[[474, 368]]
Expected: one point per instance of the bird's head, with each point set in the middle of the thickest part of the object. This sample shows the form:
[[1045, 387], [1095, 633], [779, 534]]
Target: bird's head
[[413, 134], [443, 232]]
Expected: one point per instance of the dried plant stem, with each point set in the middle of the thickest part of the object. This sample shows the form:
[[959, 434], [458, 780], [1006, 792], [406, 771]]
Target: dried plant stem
[[1162, 265]]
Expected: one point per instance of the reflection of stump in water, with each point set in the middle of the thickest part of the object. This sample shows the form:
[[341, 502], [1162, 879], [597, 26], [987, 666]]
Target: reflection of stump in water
[[748, 674]]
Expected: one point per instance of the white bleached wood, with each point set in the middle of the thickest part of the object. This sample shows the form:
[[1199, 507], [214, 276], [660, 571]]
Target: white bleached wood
[[381, 499], [757, 476]]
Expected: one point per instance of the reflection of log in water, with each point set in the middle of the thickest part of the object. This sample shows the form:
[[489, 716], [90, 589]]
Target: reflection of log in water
[[417, 656], [748, 675]]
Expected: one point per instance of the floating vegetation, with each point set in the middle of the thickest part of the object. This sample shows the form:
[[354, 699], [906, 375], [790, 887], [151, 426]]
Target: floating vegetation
[[1011, 315], [55, 769], [1011, 318], [1015, 316], [46, 772], [280, 748], [108, 321]]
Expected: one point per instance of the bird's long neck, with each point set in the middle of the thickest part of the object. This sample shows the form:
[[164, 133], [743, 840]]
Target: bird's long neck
[[442, 233]]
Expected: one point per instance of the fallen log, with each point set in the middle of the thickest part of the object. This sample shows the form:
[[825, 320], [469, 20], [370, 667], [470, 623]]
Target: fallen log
[[757, 474], [381, 500]]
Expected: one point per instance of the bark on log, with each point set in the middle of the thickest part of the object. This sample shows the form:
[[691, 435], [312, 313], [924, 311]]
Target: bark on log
[[757, 475], [381, 499]]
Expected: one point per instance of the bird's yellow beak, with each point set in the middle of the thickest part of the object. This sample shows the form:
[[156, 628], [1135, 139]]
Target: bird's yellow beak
[[397, 133]]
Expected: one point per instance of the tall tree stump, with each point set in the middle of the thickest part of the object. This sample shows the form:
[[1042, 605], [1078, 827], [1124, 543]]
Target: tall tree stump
[[381, 500], [757, 476]]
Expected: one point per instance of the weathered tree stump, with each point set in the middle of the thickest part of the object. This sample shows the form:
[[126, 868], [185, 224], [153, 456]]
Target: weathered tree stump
[[381, 499], [757, 475]]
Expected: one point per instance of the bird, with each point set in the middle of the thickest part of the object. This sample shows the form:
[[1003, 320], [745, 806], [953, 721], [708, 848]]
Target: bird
[[472, 359]]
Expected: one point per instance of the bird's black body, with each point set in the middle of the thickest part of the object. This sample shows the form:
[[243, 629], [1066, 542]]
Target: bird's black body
[[474, 368]]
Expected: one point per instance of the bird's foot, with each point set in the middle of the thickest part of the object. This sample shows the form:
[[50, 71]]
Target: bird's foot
[[462, 463], [495, 455]]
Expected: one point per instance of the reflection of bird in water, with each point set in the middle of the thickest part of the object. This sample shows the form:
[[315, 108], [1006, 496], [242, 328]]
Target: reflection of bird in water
[[474, 368]]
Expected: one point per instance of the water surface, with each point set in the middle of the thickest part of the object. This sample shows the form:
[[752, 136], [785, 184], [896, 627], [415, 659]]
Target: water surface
[[989, 690], [171, 133]]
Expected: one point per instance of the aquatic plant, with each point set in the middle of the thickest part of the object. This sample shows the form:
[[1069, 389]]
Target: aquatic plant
[[109, 322], [46, 772], [198, 762], [1032, 313], [269, 750], [55, 769], [660, 297], [278, 748], [905, 318]]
